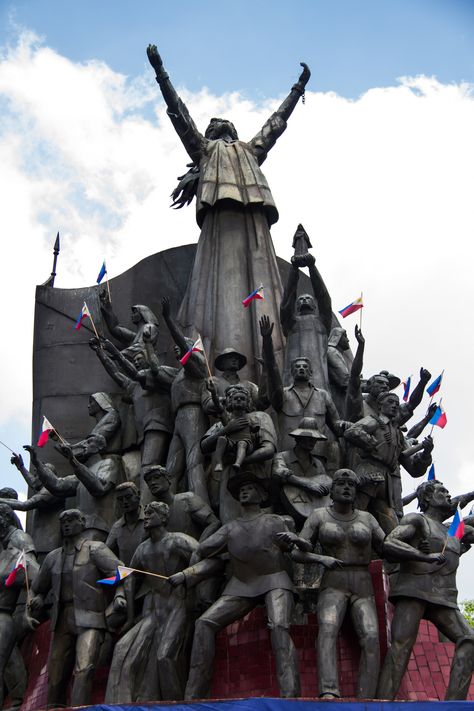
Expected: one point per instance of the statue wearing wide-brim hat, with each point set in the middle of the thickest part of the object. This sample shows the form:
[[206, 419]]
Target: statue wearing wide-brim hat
[[219, 361], [308, 427]]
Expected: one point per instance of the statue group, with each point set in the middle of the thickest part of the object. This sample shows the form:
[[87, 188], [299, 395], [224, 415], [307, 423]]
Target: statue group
[[234, 486]]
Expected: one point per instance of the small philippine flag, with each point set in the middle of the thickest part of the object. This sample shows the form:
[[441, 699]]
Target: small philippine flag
[[431, 473], [121, 573], [84, 314], [352, 308], [19, 565], [406, 388], [197, 347], [46, 428], [102, 273], [433, 388], [456, 528], [255, 295], [439, 418]]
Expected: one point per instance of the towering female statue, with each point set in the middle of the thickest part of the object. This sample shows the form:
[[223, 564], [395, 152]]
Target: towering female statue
[[234, 210]]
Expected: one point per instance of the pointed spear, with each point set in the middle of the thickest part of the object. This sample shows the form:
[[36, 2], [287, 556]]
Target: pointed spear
[[50, 280]]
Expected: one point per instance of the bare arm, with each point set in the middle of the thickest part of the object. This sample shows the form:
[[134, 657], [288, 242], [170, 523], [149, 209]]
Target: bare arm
[[264, 141], [122, 334], [96, 484], [30, 478], [180, 117], [415, 431], [59, 486], [288, 302], [109, 365], [203, 515], [417, 464], [397, 546], [321, 294], [275, 382]]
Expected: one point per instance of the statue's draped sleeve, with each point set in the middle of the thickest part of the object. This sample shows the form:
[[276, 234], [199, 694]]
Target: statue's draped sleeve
[[181, 119]]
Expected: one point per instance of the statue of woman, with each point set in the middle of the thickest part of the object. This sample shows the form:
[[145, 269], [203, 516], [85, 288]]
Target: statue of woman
[[234, 210]]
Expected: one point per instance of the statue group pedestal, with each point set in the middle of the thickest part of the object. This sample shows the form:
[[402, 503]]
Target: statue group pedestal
[[245, 666]]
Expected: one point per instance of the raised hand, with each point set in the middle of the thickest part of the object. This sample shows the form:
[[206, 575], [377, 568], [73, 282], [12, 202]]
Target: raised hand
[[154, 57], [177, 579], [305, 74], [17, 461], [425, 375], [266, 327], [359, 337], [32, 452], [428, 444]]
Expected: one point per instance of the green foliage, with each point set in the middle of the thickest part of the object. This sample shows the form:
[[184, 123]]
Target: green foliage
[[467, 609]]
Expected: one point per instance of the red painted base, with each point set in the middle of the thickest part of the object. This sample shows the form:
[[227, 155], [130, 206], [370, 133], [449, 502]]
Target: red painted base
[[245, 666]]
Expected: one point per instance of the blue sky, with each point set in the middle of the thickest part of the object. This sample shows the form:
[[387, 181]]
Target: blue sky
[[351, 45]]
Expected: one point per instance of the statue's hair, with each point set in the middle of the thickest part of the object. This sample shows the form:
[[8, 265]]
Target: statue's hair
[[306, 360], [157, 469], [384, 395], [77, 513], [212, 124], [128, 485], [158, 507], [8, 493], [7, 512], [372, 379], [425, 491]]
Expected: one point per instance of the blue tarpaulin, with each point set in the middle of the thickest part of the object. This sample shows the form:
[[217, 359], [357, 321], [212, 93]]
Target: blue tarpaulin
[[269, 704]]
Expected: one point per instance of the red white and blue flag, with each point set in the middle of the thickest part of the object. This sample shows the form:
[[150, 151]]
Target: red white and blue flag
[[439, 418], [431, 473], [456, 528], [352, 308], [121, 573], [406, 388], [433, 388], [84, 314], [255, 295], [197, 347], [46, 428], [19, 565]]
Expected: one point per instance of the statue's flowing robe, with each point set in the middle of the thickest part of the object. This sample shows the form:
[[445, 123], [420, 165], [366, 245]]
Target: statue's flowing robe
[[235, 252]]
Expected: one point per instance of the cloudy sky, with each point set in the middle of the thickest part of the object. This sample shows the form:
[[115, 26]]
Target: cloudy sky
[[377, 165]]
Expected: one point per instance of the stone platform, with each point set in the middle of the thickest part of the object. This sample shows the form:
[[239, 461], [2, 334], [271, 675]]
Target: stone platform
[[245, 666]]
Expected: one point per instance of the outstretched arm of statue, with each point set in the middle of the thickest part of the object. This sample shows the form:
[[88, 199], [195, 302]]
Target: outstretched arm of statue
[[264, 141], [321, 294], [274, 379], [417, 464], [288, 302], [462, 500], [397, 545], [96, 485], [122, 334], [176, 333], [180, 117], [61, 486], [354, 406], [34, 502], [110, 365], [415, 431], [407, 409], [30, 478]]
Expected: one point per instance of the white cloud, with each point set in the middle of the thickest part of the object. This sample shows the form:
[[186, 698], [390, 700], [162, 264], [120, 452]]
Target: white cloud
[[383, 185]]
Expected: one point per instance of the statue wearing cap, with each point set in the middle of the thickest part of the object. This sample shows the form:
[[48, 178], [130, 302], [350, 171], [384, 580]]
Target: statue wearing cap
[[229, 362], [300, 473]]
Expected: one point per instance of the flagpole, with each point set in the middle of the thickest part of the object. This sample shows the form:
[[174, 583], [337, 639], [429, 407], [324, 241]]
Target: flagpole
[[7, 447], [432, 426], [26, 579], [362, 302], [205, 356], [107, 279], [92, 322], [147, 572]]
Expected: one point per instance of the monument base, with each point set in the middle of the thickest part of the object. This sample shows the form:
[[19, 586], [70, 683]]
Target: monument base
[[245, 666]]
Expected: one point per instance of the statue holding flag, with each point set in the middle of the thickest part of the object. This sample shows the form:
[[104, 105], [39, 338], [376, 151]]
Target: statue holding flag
[[425, 587]]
